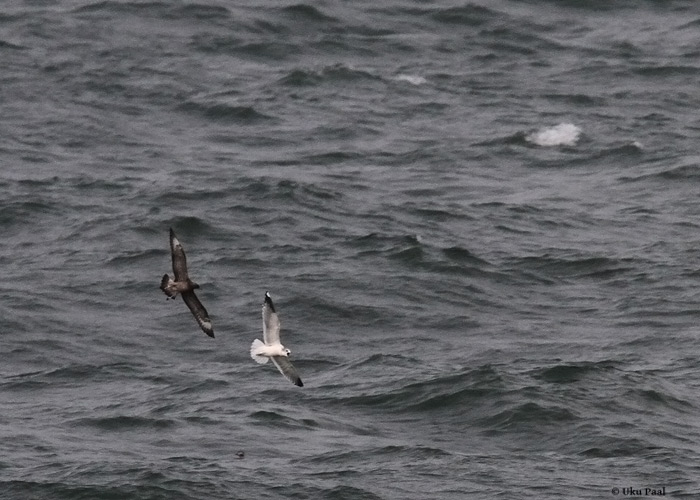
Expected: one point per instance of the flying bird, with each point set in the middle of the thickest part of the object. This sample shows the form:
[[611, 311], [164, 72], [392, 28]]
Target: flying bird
[[183, 285], [272, 348]]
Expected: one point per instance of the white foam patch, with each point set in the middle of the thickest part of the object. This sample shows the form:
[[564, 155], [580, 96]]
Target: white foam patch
[[564, 134], [412, 79]]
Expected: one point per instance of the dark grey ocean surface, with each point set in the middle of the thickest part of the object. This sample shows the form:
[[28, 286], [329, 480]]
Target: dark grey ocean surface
[[479, 222]]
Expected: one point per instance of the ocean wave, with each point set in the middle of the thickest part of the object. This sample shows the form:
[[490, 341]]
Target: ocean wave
[[686, 173], [523, 415], [273, 50], [630, 149], [134, 257], [401, 247], [257, 40], [209, 192], [200, 387], [461, 255], [666, 71], [22, 213], [188, 225], [200, 11], [303, 192], [662, 398], [583, 100], [345, 73], [354, 314], [590, 5], [412, 79], [467, 15], [110, 6], [306, 13], [430, 214], [382, 359], [435, 394], [68, 375], [222, 112], [160, 10], [254, 194], [340, 492], [268, 418], [11, 46], [567, 373], [86, 485], [333, 74], [301, 78], [331, 158], [548, 267], [124, 423], [619, 447], [412, 253], [407, 453]]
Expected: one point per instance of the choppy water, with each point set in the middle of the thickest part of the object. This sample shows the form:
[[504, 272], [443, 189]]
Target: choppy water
[[478, 221]]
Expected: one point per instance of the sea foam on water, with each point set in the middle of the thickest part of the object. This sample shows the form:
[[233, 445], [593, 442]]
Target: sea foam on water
[[564, 134]]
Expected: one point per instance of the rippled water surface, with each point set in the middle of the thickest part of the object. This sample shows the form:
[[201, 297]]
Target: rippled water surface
[[478, 221]]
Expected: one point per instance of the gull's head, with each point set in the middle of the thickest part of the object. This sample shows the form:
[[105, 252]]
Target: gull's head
[[279, 350]]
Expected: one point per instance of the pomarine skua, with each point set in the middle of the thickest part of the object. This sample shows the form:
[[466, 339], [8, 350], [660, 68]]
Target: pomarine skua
[[183, 285]]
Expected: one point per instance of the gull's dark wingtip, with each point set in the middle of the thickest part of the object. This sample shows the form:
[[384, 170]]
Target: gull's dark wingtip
[[299, 383], [268, 301]]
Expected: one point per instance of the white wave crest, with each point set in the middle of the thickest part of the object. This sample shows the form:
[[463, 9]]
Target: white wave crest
[[412, 79], [564, 134]]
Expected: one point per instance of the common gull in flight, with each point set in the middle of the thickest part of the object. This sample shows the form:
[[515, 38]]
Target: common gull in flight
[[271, 348]]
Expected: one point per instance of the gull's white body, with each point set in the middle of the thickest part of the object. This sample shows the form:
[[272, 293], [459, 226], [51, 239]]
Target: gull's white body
[[262, 352]]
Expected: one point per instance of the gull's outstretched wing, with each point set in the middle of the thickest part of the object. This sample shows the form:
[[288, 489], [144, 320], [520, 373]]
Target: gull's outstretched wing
[[179, 259], [287, 369], [271, 323], [199, 312]]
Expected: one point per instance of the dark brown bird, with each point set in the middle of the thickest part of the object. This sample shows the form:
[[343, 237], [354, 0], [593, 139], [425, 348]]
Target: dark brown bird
[[183, 285]]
